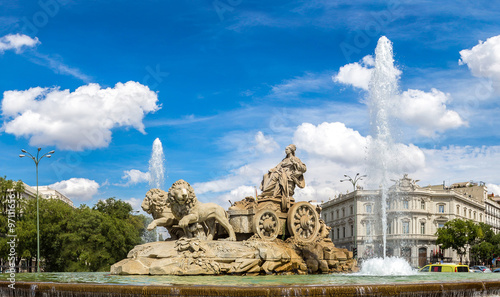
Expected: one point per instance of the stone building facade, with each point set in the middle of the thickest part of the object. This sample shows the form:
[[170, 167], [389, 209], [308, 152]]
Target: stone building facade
[[492, 212], [413, 215], [44, 192]]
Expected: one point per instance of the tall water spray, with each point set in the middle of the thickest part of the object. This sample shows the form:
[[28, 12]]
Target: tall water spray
[[383, 89], [157, 166]]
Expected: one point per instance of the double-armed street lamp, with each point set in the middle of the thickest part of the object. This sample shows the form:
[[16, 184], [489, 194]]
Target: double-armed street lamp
[[37, 160], [353, 180]]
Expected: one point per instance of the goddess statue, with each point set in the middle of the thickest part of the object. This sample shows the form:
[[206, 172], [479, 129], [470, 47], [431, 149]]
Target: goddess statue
[[281, 180]]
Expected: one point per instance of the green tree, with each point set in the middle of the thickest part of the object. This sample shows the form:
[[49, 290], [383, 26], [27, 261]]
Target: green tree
[[483, 252], [487, 244], [455, 234], [8, 188], [82, 239]]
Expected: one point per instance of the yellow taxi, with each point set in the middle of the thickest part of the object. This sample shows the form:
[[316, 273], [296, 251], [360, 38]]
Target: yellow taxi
[[445, 267]]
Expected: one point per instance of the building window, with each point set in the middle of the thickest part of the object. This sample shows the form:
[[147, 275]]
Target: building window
[[475, 216], [422, 228], [369, 208], [440, 225], [405, 204], [441, 208], [338, 214], [406, 227], [465, 212], [422, 204], [352, 211], [343, 212], [470, 213], [352, 230], [458, 209], [389, 228], [368, 229], [338, 233], [343, 232]]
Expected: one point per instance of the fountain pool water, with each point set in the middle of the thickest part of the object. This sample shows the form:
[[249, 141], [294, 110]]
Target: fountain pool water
[[386, 267], [357, 284]]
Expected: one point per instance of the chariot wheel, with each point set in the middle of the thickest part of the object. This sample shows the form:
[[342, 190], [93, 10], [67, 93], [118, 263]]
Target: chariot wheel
[[303, 222], [266, 224]]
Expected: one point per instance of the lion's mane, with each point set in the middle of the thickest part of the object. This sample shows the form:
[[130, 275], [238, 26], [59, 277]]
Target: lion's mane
[[157, 201], [181, 210]]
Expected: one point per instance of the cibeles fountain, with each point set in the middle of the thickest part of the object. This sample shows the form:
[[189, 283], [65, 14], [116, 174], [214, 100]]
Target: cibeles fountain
[[268, 234], [270, 245]]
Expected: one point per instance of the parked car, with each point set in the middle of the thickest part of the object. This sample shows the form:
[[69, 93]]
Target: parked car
[[496, 270], [445, 267], [479, 268]]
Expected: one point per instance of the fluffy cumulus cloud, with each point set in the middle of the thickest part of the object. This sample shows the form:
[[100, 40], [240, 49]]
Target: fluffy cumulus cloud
[[135, 176], [79, 189], [247, 174], [428, 111], [265, 144], [461, 163], [237, 194], [356, 74], [17, 42], [483, 60], [425, 110], [339, 144], [492, 188], [332, 140], [77, 120]]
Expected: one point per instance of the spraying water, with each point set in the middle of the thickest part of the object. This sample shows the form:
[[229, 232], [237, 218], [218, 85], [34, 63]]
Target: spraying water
[[383, 89], [157, 166], [386, 266]]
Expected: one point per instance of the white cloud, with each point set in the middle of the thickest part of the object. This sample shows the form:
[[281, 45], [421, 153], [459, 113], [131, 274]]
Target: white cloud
[[492, 188], [237, 194], [332, 151], [332, 140], [265, 144], [461, 163], [339, 144], [59, 67], [483, 60], [80, 189], [247, 174], [356, 74], [135, 176], [309, 82], [428, 111], [17, 42], [136, 204], [77, 120]]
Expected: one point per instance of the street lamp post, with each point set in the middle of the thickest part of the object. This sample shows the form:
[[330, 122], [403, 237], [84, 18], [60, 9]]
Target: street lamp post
[[37, 160], [354, 181]]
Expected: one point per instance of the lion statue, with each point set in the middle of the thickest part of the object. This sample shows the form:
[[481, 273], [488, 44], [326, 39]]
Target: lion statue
[[155, 203], [188, 210]]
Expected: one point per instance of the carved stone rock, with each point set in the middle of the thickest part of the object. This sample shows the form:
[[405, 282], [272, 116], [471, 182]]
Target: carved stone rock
[[254, 256]]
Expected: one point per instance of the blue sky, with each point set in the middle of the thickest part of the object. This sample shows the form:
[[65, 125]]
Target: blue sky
[[226, 85]]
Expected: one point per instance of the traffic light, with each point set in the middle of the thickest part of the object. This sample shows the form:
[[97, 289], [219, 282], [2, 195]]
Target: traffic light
[[355, 252]]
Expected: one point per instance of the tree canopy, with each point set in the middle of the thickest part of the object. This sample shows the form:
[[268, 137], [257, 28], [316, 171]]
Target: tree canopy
[[81, 239], [459, 235]]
